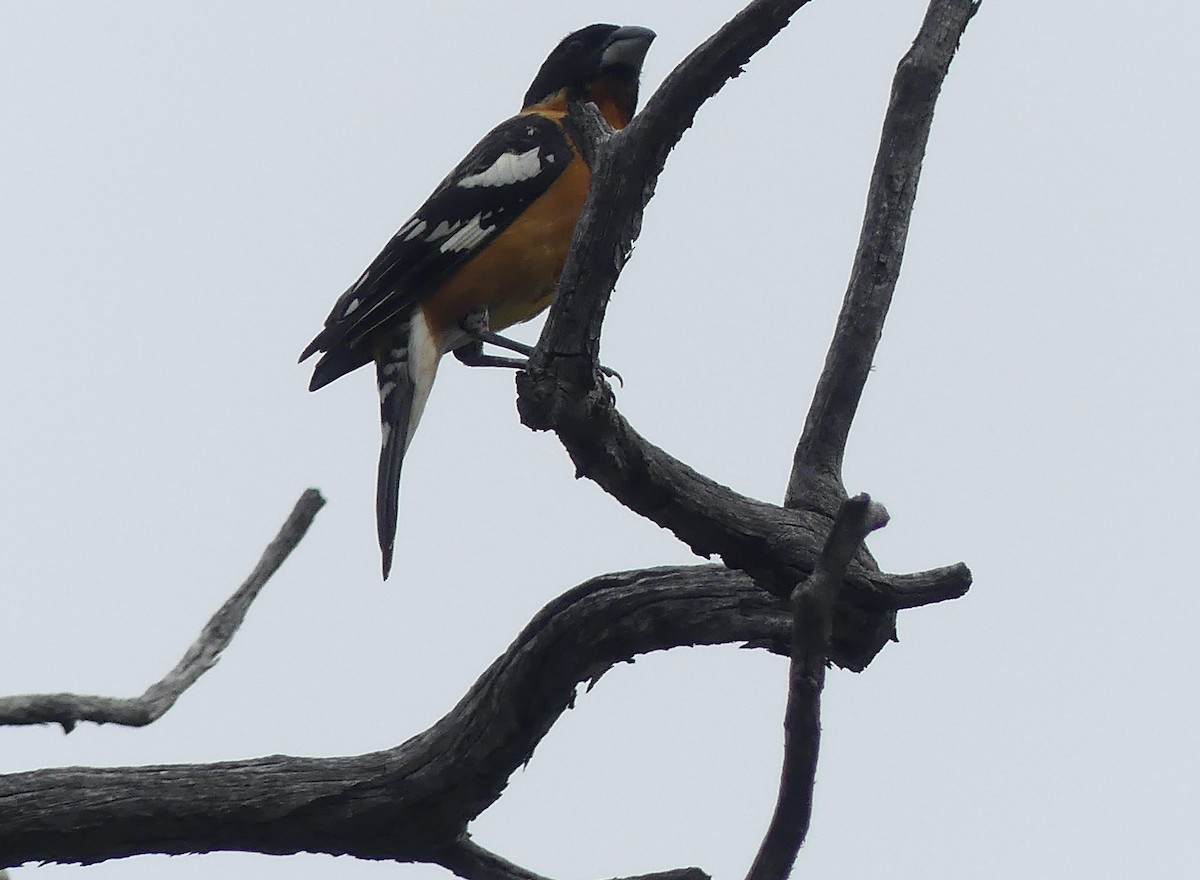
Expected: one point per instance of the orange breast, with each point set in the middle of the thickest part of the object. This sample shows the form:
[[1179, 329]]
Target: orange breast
[[515, 276]]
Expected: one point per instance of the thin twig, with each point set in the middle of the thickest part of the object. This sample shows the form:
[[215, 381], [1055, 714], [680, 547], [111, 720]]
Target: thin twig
[[812, 628], [69, 709]]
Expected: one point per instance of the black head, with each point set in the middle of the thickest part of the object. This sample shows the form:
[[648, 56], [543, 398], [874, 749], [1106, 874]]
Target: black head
[[598, 51]]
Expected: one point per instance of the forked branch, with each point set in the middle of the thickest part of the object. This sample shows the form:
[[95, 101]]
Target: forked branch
[[563, 391]]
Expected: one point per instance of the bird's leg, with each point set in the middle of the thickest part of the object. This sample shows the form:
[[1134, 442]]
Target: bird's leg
[[503, 342], [472, 355], [475, 325]]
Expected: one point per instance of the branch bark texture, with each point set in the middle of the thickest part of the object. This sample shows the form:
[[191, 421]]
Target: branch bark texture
[[812, 631]]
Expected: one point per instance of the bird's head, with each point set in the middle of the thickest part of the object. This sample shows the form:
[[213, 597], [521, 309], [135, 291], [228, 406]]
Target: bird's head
[[600, 63]]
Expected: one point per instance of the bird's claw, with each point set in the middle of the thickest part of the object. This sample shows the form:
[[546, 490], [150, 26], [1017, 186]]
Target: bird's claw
[[610, 373]]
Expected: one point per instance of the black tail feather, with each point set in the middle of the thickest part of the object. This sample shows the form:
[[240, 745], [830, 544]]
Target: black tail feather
[[335, 364], [395, 412]]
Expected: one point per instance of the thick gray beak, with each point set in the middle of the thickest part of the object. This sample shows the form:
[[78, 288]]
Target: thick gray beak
[[627, 46]]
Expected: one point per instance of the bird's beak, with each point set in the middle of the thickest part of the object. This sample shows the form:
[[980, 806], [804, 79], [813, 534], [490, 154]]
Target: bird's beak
[[627, 46]]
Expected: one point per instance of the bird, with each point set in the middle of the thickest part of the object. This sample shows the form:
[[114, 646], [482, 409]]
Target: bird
[[484, 252]]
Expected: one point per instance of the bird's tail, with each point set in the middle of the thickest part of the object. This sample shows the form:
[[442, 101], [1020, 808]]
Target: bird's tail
[[405, 372]]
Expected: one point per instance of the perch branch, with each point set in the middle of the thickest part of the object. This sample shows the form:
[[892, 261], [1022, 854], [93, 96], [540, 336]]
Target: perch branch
[[588, 129], [625, 169], [562, 391], [812, 629], [815, 481], [69, 709]]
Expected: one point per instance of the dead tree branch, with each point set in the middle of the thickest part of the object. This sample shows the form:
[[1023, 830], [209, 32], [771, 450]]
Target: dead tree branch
[[471, 861], [816, 479], [564, 392], [69, 709], [414, 802], [408, 803], [812, 630]]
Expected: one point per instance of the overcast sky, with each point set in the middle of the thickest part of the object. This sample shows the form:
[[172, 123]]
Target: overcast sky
[[185, 189]]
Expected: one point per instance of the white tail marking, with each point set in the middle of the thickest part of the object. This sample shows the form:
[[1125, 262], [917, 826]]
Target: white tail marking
[[424, 353]]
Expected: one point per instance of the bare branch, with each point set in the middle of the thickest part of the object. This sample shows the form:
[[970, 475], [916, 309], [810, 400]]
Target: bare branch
[[816, 481], [471, 861], [812, 629], [410, 802], [894, 592], [588, 129], [69, 709], [562, 391]]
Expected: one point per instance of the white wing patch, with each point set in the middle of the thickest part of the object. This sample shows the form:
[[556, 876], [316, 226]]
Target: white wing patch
[[407, 227], [509, 168], [443, 229], [472, 233], [416, 230]]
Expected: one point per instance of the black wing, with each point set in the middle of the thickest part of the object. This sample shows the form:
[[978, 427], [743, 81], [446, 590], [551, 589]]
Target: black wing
[[506, 172]]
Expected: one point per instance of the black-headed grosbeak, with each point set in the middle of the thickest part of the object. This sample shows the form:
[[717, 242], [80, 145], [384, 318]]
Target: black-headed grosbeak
[[484, 252]]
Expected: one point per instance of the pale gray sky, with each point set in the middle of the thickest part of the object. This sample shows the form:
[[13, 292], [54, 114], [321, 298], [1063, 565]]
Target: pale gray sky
[[186, 188]]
